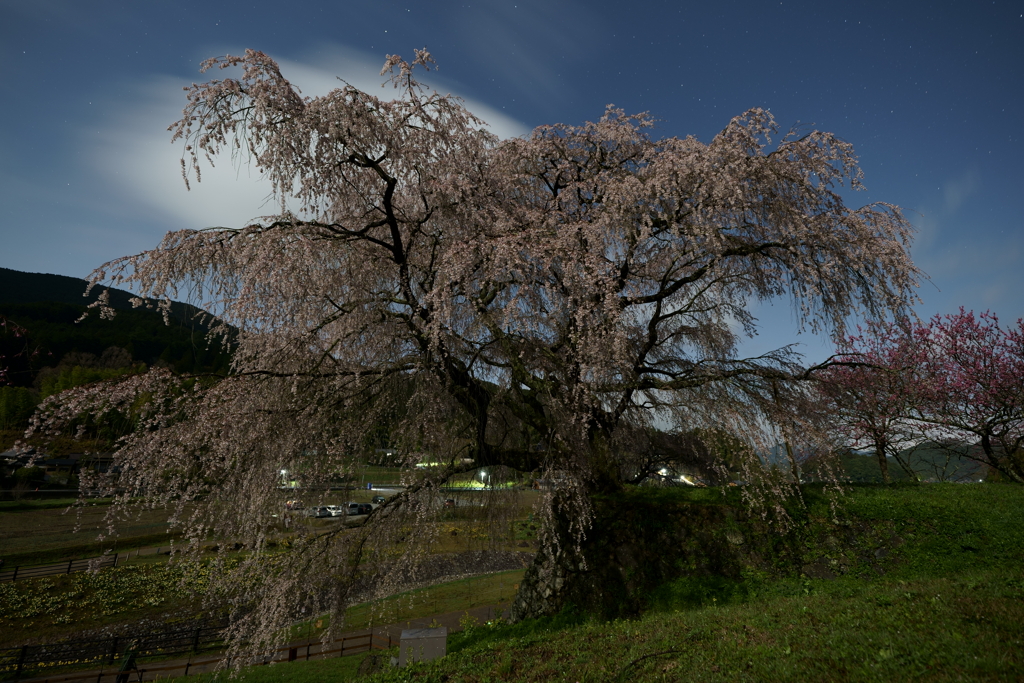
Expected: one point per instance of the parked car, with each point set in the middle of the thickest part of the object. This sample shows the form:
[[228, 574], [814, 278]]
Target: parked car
[[378, 500], [352, 509], [449, 503], [293, 505], [318, 511], [365, 509], [336, 510]]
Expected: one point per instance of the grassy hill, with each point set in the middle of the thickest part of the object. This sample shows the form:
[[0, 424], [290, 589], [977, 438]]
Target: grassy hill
[[940, 598], [930, 462], [901, 582]]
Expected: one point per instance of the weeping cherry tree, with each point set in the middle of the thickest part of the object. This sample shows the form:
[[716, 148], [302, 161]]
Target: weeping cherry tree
[[557, 304]]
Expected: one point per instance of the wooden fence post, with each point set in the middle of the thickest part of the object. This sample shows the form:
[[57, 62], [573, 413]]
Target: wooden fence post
[[69, 566], [21, 662]]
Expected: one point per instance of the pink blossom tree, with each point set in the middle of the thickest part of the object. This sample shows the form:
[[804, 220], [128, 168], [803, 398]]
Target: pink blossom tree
[[534, 304], [871, 388], [974, 393], [956, 381]]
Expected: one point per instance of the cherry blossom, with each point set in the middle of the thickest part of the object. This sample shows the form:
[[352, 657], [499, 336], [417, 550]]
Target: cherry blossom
[[872, 388], [538, 304]]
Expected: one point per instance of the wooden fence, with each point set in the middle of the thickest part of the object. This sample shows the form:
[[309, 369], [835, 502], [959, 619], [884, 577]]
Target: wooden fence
[[309, 650], [71, 566], [188, 641]]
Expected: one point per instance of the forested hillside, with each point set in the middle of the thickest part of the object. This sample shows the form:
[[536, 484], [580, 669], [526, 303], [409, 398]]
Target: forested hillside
[[46, 349]]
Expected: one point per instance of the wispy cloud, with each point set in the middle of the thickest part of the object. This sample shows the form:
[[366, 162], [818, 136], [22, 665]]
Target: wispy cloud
[[133, 150], [134, 153], [531, 48], [958, 190], [972, 255]]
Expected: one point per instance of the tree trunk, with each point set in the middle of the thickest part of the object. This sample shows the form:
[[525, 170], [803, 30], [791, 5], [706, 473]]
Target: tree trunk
[[883, 463], [1008, 468], [558, 572], [633, 546], [793, 465]]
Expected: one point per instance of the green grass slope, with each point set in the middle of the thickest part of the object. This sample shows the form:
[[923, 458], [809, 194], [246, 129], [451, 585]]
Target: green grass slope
[[930, 588]]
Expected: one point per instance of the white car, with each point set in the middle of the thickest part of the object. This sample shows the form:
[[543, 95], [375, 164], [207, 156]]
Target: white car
[[336, 510], [318, 511]]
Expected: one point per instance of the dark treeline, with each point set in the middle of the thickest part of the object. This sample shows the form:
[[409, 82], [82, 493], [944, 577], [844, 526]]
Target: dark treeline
[[51, 351]]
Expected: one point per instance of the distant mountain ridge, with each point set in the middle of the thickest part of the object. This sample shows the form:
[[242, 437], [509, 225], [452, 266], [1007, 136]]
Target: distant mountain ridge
[[20, 287], [49, 307]]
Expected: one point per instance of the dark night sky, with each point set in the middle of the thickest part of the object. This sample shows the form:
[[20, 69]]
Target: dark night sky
[[930, 95]]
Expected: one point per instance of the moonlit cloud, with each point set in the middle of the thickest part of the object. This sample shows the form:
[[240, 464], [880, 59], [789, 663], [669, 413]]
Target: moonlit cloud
[[319, 74], [959, 190], [133, 150], [135, 154], [972, 260]]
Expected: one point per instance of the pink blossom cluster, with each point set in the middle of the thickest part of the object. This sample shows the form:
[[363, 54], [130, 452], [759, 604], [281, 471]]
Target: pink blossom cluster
[[957, 380]]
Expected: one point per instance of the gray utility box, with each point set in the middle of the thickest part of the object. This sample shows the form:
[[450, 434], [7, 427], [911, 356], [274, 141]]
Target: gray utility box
[[422, 645]]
